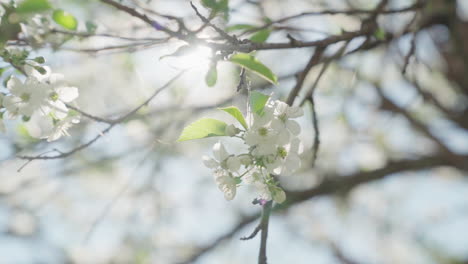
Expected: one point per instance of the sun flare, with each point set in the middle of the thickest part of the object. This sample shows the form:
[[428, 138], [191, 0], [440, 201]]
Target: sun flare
[[198, 58]]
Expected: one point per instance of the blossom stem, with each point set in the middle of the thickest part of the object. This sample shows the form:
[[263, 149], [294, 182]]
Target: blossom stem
[[262, 259]]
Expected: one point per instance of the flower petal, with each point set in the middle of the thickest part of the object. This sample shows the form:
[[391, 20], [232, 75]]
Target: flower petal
[[220, 152], [209, 162], [294, 111], [233, 164], [293, 127]]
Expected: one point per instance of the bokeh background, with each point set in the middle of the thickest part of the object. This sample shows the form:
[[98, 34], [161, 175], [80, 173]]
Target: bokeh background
[[137, 196]]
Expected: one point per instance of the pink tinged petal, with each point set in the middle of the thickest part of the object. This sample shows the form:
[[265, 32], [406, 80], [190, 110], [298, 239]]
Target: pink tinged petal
[[220, 152], [263, 190], [209, 162], [294, 111], [293, 127]]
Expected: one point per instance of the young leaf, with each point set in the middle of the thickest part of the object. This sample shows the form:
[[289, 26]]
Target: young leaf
[[236, 113], [258, 101], [380, 34], [211, 76], [217, 6], [239, 27], [65, 19], [261, 36], [203, 128], [28, 6], [91, 27], [251, 63]]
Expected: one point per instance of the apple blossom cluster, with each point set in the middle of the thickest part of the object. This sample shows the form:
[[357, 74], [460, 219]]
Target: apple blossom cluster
[[273, 150], [41, 102]]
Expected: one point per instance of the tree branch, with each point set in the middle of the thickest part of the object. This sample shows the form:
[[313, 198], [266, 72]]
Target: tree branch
[[335, 183]]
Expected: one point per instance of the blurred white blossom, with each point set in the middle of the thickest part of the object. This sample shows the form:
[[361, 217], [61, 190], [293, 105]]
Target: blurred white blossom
[[41, 101]]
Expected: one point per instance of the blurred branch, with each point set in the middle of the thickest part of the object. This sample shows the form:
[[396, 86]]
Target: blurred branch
[[301, 76], [411, 8], [420, 126], [221, 32], [336, 183]]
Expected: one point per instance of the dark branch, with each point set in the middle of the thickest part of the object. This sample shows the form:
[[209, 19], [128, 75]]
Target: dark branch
[[335, 183]]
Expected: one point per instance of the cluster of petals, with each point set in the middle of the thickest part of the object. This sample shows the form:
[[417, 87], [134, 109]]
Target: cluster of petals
[[41, 100], [273, 150]]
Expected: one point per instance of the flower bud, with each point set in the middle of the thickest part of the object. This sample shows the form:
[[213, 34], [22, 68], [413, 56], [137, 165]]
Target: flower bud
[[231, 130]]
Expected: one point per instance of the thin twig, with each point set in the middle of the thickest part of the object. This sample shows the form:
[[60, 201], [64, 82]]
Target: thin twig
[[253, 234], [410, 8], [221, 32], [314, 60], [408, 56]]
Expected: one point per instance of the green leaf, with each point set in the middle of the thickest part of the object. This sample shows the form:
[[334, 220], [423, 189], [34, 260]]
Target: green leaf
[[65, 19], [211, 76], [251, 63], [203, 128], [380, 34], [236, 113], [239, 27], [91, 27], [258, 101], [29, 6], [217, 6], [261, 36], [39, 59]]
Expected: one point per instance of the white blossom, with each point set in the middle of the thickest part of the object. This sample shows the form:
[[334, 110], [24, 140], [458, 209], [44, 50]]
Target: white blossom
[[226, 183], [38, 31], [284, 113], [27, 97], [45, 127], [287, 159], [42, 99], [273, 150], [222, 159]]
